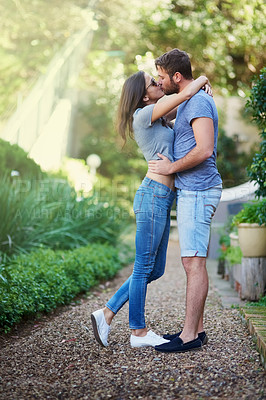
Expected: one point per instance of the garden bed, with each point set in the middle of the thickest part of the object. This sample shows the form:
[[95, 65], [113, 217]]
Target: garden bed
[[43, 279]]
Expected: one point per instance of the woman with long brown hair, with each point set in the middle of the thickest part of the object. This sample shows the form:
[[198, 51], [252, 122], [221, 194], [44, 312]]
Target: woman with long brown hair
[[141, 115]]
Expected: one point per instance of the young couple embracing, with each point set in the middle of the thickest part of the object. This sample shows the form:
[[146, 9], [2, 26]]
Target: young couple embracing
[[181, 165]]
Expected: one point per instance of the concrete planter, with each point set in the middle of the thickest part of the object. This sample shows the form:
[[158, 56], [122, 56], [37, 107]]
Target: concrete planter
[[252, 240], [234, 241]]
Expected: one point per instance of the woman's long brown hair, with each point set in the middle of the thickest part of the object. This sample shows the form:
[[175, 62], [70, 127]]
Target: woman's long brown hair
[[131, 98]]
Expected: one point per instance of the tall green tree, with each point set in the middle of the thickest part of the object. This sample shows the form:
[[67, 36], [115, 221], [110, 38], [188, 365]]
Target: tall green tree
[[130, 36], [225, 39]]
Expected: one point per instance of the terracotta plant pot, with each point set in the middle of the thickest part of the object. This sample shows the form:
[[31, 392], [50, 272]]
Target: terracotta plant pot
[[252, 239]]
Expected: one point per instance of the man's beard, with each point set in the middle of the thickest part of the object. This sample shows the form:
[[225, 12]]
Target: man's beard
[[174, 88]]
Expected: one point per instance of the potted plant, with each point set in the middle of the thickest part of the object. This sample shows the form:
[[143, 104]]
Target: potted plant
[[251, 224]]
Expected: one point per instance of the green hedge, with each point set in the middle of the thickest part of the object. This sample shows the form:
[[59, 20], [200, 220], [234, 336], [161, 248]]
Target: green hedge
[[41, 280], [13, 157]]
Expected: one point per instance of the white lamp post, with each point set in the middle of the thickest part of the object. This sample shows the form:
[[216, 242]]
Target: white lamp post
[[93, 161]]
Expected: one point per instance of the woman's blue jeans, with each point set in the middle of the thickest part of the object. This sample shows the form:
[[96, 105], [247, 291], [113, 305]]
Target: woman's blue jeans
[[152, 206]]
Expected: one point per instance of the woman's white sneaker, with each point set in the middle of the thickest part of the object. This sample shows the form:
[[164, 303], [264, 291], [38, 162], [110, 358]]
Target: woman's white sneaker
[[151, 339], [100, 327]]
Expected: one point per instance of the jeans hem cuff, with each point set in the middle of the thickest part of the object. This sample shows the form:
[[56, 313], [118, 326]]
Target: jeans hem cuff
[[193, 253], [110, 308], [142, 327]]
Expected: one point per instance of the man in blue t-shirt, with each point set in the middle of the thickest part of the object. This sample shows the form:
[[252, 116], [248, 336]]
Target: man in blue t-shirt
[[199, 187]]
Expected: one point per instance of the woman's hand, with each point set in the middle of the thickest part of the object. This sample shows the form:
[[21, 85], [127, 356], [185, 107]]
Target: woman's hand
[[168, 103], [208, 88]]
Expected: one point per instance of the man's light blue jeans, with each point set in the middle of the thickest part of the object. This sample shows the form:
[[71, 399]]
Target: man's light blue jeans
[[152, 206], [195, 210]]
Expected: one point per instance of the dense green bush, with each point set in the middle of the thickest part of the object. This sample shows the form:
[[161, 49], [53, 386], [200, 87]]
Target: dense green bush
[[233, 255], [46, 212], [41, 280], [13, 157], [257, 105]]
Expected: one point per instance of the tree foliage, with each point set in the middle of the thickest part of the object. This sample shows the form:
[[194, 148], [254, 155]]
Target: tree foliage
[[257, 105], [131, 35], [14, 158], [32, 31], [225, 39]]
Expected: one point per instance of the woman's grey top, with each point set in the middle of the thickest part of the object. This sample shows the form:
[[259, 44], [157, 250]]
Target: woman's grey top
[[152, 137]]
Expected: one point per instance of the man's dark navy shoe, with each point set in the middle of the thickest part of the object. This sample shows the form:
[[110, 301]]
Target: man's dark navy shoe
[[202, 335], [171, 337], [178, 346]]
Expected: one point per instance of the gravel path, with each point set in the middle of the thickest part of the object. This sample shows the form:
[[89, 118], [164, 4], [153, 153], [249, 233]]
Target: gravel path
[[57, 357]]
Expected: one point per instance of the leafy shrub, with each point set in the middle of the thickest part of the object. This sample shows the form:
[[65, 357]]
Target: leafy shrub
[[13, 157], [260, 303], [252, 213], [233, 255], [257, 105], [256, 101], [46, 212], [41, 280]]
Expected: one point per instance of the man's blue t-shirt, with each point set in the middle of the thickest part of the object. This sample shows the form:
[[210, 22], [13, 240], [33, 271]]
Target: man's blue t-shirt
[[204, 175]]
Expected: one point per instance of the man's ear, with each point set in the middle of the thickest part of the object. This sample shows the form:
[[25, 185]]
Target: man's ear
[[177, 77]]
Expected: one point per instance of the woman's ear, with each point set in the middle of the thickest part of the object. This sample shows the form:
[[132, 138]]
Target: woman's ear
[[146, 98]]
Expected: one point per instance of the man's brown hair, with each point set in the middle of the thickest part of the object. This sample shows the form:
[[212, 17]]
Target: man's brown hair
[[175, 61]]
